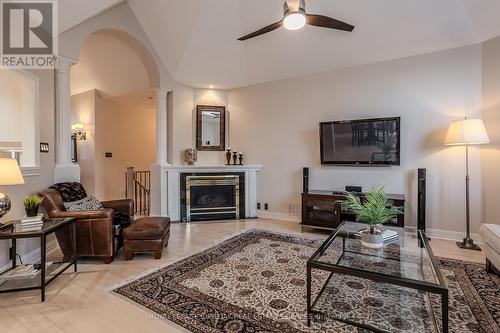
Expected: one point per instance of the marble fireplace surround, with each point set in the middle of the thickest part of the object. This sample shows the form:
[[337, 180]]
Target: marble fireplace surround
[[166, 198]]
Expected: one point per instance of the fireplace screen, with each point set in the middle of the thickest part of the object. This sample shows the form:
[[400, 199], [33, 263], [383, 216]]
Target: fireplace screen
[[212, 197]]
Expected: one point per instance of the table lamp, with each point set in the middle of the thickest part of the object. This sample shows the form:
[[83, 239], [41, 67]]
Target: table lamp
[[10, 174], [465, 133]]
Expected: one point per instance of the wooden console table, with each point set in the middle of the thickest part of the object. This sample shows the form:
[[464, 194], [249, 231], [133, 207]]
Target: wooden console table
[[321, 209]]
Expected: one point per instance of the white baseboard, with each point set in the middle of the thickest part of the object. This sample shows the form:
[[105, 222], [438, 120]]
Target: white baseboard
[[432, 233], [33, 256], [448, 235]]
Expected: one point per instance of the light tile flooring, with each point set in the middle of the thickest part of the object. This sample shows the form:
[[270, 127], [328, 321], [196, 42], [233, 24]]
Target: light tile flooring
[[81, 302]]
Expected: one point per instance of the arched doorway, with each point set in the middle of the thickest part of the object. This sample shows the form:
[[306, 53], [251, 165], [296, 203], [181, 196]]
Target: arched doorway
[[113, 99]]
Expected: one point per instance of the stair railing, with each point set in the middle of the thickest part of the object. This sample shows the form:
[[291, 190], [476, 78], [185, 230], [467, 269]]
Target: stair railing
[[138, 188]]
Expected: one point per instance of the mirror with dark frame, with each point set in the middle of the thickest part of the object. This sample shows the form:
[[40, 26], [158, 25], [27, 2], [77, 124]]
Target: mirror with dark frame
[[210, 128]]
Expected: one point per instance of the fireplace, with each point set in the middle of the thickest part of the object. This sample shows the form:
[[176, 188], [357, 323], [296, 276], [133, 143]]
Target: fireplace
[[206, 197]]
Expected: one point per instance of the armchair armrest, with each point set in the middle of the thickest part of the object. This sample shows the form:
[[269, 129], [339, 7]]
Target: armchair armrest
[[124, 206], [85, 215]]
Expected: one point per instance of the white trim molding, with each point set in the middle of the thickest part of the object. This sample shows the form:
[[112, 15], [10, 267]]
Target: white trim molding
[[31, 171], [166, 196], [29, 143], [448, 235]]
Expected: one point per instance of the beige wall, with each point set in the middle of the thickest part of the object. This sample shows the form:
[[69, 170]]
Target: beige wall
[[276, 124], [109, 65], [185, 100], [129, 132], [181, 125], [46, 178], [11, 88], [491, 116]]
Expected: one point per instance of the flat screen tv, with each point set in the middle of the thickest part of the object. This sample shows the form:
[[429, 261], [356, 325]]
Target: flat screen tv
[[361, 142]]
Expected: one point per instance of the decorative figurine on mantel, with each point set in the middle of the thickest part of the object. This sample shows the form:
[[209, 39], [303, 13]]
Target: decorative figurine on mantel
[[228, 156], [190, 156], [235, 158]]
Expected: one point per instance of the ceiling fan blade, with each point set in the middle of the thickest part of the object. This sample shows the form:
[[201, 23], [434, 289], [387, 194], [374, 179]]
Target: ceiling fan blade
[[262, 31], [328, 22]]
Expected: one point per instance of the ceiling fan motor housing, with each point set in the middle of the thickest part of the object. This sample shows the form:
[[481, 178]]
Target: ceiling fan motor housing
[[302, 7]]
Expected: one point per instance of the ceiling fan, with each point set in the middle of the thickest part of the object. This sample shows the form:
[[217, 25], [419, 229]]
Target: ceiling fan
[[295, 20]]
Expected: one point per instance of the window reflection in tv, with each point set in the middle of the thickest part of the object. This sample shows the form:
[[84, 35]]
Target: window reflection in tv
[[371, 141]]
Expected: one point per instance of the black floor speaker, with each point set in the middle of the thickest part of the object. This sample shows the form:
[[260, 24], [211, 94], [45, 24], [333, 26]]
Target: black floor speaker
[[422, 193], [305, 180]]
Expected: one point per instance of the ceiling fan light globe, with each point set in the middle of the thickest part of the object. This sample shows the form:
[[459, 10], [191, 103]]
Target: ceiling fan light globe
[[294, 21]]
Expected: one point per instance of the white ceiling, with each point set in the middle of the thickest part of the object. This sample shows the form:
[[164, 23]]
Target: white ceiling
[[197, 39], [73, 12]]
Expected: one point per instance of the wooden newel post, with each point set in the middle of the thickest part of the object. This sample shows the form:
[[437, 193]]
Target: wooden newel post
[[130, 184]]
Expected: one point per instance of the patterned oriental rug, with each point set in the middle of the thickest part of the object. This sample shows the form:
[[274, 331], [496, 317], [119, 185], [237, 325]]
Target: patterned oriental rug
[[256, 282]]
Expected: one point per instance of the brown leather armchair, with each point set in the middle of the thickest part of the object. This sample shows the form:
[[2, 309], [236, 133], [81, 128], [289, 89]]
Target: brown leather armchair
[[96, 233]]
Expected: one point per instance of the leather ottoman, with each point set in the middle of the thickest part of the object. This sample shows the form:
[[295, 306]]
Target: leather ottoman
[[147, 234]]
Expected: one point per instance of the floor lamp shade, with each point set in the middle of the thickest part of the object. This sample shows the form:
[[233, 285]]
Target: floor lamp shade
[[467, 132]]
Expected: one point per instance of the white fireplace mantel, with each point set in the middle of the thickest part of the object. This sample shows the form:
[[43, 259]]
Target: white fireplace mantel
[[167, 202], [211, 168]]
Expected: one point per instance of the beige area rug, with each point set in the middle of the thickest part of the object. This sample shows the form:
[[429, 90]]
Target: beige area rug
[[256, 282]]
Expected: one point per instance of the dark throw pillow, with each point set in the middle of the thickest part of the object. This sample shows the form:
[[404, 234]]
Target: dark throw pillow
[[70, 191]]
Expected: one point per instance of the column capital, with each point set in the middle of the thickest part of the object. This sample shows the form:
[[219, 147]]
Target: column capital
[[162, 91], [64, 64]]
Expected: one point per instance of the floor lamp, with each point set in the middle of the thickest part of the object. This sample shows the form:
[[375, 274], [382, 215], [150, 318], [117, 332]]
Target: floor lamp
[[465, 133]]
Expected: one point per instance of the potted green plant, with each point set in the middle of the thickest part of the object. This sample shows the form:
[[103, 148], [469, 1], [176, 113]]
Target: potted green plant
[[375, 209], [31, 204]]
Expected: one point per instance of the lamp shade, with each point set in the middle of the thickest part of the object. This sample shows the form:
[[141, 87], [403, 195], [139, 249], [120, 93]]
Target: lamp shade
[[77, 127], [10, 174], [467, 132]]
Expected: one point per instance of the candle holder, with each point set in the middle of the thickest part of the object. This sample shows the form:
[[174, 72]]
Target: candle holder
[[228, 156], [235, 158], [240, 158]]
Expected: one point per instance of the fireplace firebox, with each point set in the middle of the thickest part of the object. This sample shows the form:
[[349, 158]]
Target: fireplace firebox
[[206, 197]]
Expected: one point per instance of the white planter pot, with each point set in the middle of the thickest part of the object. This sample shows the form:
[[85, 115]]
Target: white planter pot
[[373, 241]]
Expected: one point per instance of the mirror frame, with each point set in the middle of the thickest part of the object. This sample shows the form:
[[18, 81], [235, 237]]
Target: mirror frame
[[199, 124]]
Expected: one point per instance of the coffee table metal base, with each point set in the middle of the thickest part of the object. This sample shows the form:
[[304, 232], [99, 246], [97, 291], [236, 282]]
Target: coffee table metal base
[[337, 268]]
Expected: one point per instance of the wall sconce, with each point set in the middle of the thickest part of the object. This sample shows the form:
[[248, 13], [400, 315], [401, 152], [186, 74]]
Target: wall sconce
[[79, 132]]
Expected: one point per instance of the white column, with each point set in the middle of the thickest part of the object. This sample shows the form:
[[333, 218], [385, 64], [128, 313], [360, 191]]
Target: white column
[[161, 125], [159, 196], [65, 170]]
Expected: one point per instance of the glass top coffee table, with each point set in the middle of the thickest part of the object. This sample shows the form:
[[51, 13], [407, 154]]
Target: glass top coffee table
[[393, 289]]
